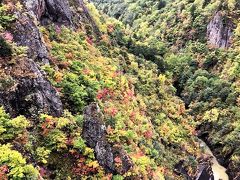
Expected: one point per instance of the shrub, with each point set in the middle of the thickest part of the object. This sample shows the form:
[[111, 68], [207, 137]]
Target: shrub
[[79, 144], [16, 164], [5, 48], [118, 177], [11, 128], [42, 154], [5, 16], [56, 140], [79, 90]]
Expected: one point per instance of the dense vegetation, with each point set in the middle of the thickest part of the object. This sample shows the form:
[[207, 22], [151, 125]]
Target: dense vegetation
[[205, 76], [156, 79]]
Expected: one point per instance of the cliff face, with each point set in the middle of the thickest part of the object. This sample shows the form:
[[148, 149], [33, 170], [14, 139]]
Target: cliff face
[[34, 94], [94, 132], [219, 31]]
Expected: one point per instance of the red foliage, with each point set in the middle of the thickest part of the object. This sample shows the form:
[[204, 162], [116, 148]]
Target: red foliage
[[8, 36], [142, 112], [138, 154], [86, 71], [82, 169], [42, 171], [47, 125], [58, 89], [75, 154], [104, 94], [69, 141], [58, 29], [148, 134], [23, 139], [3, 172], [128, 95], [132, 115], [181, 109], [109, 176], [114, 111], [117, 73], [104, 38], [110, 28], [89, 40], [10, 6], [111, 111]]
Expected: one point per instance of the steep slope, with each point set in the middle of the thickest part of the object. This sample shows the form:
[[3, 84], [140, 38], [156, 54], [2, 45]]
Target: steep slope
[[49, 147], [202, 42], [82, 100]]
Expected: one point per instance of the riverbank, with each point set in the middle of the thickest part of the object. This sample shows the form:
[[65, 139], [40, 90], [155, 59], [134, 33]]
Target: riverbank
[[219, 172]]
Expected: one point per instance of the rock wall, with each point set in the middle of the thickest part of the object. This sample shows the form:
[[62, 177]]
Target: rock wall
[[94, 132], [219, 31], [57, 11], [34, 94]]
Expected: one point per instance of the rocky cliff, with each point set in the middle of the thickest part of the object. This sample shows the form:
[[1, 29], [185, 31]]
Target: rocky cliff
[[34, 94], [94, 132], [24, 87], [219, 31]]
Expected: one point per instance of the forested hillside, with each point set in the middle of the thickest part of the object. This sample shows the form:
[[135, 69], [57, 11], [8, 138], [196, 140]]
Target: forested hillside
[[201, 54], [119, 89]]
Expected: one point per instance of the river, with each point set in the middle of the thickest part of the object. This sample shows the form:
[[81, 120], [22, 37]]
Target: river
[[219, 172]]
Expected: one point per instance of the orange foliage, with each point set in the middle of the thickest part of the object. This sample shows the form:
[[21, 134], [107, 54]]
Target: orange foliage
[[69, 56], [110, 28], [104, 94], [82, 169], [47, 125], [112, 111]]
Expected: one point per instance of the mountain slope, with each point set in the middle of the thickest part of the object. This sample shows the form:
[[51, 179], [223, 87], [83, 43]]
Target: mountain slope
[[202, 42], [85, 98]]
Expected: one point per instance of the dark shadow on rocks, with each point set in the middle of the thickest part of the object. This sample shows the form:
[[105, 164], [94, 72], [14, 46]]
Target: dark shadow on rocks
[[31, 93], [94, 132]]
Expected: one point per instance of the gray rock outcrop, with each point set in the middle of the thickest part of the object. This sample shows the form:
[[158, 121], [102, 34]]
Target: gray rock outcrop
[[32, 95], [94, 132], [57, 11], [219, 31]]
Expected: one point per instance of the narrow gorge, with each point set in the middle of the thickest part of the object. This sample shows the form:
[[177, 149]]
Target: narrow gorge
[[116, 89]]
